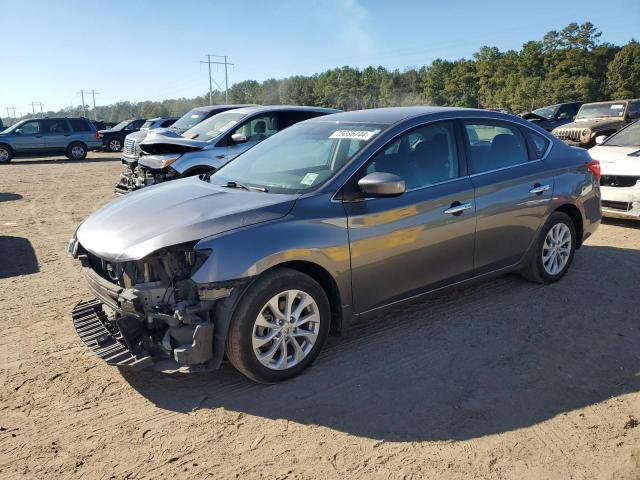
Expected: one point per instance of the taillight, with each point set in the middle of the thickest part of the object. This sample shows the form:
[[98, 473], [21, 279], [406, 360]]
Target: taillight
[[594, 166], [98, 136]]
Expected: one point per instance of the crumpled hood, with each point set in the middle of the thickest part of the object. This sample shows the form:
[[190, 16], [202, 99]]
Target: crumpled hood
[[617, 160], [169, 141], [133, 226], [533, 116]]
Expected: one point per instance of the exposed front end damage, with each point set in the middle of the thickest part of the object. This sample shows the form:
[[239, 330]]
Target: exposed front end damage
[[149, 312], [135, 176]]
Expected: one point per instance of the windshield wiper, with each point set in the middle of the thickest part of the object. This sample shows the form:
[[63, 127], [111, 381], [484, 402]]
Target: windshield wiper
[[232, 184]]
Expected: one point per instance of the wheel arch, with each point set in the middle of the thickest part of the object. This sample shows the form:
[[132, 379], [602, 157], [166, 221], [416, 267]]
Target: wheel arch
[[576, 217], [4, 144], [326, 281]]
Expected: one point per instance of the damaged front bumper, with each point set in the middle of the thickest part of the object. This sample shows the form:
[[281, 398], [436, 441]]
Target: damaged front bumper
[[621, 202], [134, 177], [149, 324]]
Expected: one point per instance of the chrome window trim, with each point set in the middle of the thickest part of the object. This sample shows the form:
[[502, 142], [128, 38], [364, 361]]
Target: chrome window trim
[[504, 168]]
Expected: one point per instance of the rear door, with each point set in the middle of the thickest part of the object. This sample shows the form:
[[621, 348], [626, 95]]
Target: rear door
[[422, 239], [56, 133], [513, 189], [29, 139]]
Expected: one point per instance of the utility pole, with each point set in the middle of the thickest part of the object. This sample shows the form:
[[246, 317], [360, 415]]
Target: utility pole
[[226, 76], [93, 95], [14, 113], [33, 107]]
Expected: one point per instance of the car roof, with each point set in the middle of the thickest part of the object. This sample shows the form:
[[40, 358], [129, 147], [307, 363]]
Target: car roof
[[626, 100], [278, 108], [209, 108], [391, 115], [157, 119]]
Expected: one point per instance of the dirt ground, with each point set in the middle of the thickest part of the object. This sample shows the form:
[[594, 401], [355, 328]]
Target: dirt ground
[[506, 379]]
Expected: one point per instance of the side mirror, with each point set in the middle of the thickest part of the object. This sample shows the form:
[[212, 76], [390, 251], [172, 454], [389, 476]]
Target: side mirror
[[239, 138], [18, 131], [381, 184], [563, 116], [600, 139]]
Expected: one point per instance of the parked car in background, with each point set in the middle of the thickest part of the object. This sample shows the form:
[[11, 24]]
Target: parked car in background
[[619, 157], [597, 119], [2, 127], [333, 220], [210, 144], [158, 122], [553, 116], [113, 138], [131, 151], [73, 136], [102, 125]]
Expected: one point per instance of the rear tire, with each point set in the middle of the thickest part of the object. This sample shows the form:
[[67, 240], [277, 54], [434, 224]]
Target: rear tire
[[554, 250], [5, 154], [114, 145], [279, 326], [76, 151]]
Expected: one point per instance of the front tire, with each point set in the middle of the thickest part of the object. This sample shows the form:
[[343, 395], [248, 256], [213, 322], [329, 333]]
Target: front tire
[[76, 151], [554, 250], [114, 145], [279, 326], [5, 154]]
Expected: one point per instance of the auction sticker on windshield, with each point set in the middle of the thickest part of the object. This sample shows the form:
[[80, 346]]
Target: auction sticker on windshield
[[354, 134], [309, 178]]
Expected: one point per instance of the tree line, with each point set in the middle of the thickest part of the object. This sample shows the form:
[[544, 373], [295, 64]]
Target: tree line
[[566, 65]]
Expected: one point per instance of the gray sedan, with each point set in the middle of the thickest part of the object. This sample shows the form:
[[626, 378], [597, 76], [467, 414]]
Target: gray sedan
[[329, 222]]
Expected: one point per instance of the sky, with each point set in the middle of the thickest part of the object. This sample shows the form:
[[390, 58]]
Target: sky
[[151, 50]]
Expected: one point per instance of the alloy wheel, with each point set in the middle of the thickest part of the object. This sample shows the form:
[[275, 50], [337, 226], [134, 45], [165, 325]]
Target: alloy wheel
[[286, 329], [4, 155], [77, 152], [556, 249], [114, 145]]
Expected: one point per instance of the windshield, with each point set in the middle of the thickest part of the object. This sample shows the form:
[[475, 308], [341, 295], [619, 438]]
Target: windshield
[[121, 125], [629, 137], [191, 118], [601, 110], [547, 112], [214, 126], [14, 126], [298, 159]]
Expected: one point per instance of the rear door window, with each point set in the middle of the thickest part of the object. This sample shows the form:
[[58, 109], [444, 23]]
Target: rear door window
[[55, 126], [493, 145], [167, 123], [79, 125]]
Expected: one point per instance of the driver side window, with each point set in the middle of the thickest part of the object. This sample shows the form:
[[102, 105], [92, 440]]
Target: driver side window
[[424, 156], [259, 128], [30, 128]]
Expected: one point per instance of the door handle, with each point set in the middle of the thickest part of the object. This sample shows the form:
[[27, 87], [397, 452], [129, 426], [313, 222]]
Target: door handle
[[538, 189], [457, 208]]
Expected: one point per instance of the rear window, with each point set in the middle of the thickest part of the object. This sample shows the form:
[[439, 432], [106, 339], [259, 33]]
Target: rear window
[[79, 125]]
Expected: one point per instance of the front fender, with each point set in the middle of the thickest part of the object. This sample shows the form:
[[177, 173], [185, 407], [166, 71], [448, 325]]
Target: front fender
[[204, 159], [315, 231]]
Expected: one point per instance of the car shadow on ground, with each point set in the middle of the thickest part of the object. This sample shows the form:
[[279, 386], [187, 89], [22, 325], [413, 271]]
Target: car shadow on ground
[[630, 223], [17, 257], [9, 197], [60, 160], [486, 359]]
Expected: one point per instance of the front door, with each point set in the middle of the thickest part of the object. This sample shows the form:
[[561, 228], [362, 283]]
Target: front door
[[422, 239], [29, 138], [513, 190]]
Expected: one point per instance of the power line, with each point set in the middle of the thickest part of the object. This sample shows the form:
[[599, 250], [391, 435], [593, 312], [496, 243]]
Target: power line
[[93, 95], [33, 107], [226, 76], [14, 112]]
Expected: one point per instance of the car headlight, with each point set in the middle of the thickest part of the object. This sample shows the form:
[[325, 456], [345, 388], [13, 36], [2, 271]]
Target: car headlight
[[72, 248], [168, 161], [586, 132]]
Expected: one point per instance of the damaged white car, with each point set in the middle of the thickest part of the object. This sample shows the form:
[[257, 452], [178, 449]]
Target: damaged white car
[[619, 157]]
